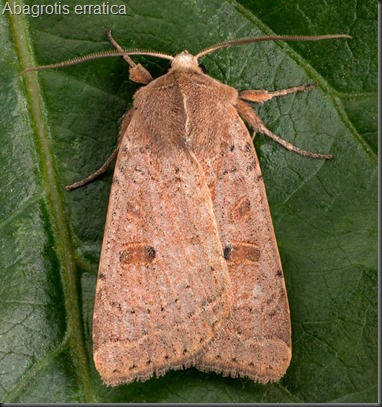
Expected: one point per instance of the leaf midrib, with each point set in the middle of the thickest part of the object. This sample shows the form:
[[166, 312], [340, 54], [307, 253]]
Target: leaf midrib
[[54, 202]]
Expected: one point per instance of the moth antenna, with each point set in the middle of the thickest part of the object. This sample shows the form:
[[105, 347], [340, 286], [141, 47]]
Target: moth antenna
[[98, 55], [270, 38]]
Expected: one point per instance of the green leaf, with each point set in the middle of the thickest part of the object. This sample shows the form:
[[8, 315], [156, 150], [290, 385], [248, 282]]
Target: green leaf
[[58, 126]]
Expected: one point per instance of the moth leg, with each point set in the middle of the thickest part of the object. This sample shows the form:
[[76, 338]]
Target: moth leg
[[115, 44], [248, 114], [261, 96], [137, 72], [125, 123]]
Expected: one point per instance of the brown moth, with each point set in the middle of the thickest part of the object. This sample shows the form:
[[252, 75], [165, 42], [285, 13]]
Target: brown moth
[[190, 273]]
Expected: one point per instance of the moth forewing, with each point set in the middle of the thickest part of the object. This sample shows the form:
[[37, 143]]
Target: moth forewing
[[256, 341], [163, 289]]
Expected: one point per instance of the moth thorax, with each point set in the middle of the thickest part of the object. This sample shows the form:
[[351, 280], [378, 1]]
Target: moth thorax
[[185, 61]]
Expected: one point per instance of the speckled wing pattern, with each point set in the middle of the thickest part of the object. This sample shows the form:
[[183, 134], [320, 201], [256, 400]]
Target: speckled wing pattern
[[256, 340], [163, 287]]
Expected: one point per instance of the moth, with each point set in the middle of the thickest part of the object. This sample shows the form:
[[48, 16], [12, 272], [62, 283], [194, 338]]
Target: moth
[[190, 273]]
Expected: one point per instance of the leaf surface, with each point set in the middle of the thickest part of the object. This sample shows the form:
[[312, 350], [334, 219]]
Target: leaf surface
[[59, 126]]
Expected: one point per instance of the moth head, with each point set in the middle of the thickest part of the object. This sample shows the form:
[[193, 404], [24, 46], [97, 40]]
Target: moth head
[[185, 62]]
